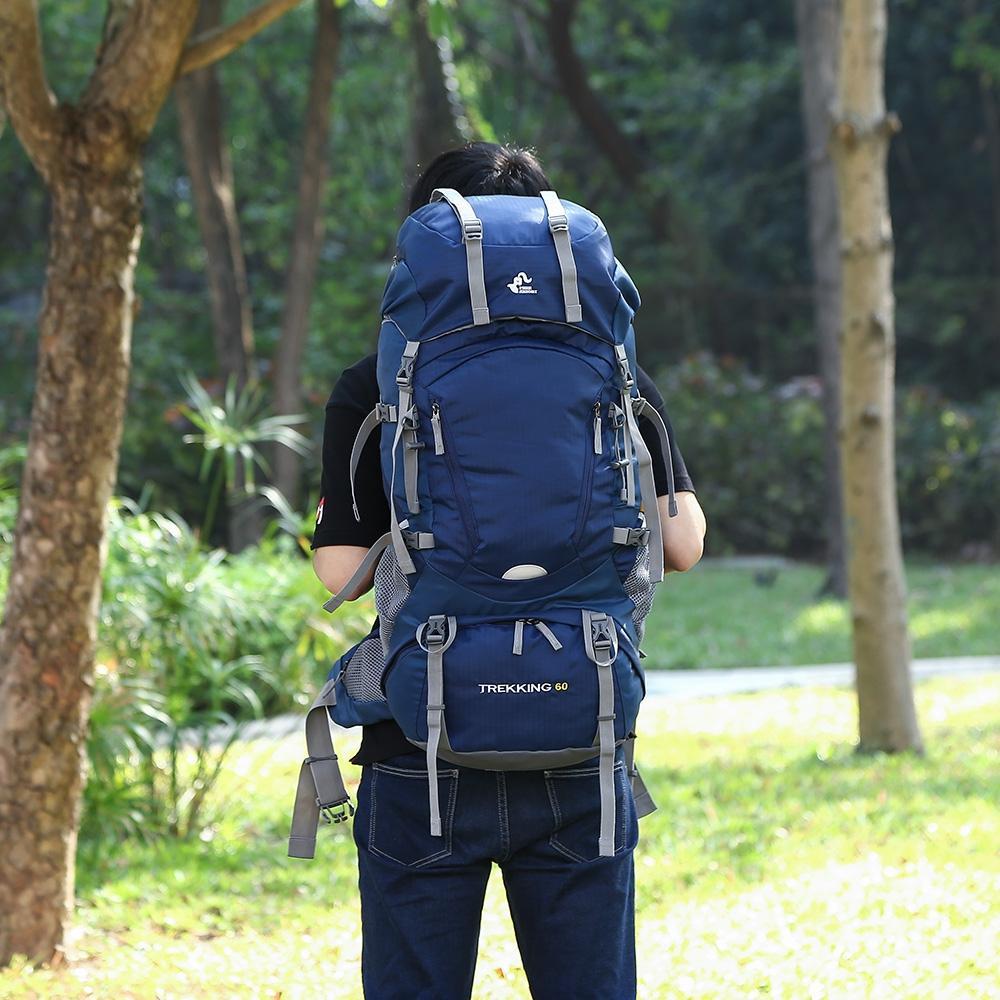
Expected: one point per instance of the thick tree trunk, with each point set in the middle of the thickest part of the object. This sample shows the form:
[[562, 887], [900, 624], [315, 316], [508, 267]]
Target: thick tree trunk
[[307, 238], [818, 30], [875, 564], [210, 169], [48, 632], [89, 156]]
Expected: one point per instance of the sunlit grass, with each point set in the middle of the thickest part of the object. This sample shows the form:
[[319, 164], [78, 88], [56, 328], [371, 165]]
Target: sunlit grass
[[779, 864], [715, 616]]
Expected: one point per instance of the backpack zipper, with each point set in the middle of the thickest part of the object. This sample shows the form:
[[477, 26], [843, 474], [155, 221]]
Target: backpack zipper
[[597, 427], [436, 428]]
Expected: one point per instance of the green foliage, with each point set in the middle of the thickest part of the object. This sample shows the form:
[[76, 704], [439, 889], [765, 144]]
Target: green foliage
[[755, 451], [231, 430], [192, 644]]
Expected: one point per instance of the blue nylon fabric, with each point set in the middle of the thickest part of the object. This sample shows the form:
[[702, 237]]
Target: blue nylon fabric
[[516, 238], [519, 481]]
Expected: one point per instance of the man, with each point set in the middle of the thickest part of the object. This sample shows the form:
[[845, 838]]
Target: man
[[421, 896]]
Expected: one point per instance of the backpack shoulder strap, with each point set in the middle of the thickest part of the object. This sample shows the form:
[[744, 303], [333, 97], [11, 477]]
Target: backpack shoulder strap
[[472, 237]]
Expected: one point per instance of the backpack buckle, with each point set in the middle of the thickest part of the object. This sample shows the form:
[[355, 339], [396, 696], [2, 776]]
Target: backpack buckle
[[335, 812], [472, 229], [404, 377], [410, 420], [558, 222], [436, 632], [386, 412]]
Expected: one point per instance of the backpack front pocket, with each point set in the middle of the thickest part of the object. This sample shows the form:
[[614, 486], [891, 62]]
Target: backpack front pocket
[[524, 687]]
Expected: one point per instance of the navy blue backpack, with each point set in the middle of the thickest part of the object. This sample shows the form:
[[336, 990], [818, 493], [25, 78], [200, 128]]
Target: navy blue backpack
[[524, 543]]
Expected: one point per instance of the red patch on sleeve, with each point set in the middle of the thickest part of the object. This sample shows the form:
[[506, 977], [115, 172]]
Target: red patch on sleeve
[[319, 510]]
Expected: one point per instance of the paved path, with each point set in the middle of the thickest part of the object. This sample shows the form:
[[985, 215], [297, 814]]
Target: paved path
[[672, 684]]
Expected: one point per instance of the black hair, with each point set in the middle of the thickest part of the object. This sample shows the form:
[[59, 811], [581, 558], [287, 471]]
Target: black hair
[[481, 168]]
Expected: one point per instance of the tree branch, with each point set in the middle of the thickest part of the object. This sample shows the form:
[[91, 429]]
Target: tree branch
[[24, 91], [213, 45], [136, 65]]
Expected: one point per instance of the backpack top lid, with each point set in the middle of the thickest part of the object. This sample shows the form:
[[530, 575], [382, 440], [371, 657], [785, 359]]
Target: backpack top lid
[[430, 289]]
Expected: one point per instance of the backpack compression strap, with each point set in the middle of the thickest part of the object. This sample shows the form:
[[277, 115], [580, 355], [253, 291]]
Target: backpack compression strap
[[601, 643], [321, 787], [472, 237], [559, 227]]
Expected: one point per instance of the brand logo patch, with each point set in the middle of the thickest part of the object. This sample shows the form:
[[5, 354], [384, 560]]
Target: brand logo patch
[[520, 284]]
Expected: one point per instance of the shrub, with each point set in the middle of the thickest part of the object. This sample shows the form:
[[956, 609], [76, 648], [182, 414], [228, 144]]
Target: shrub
[[755, 452]]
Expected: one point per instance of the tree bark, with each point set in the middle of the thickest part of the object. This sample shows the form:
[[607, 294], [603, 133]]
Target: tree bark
[[816, 21], [89, 155], [307, 239], [625, 157], [437, 119], [206, 153], [887, 717]]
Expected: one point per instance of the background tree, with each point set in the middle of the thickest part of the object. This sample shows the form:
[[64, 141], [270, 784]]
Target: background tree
[[818, 33], [875, 564], [89, 154]]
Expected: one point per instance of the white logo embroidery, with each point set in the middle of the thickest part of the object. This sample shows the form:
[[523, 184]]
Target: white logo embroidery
[[525, 688], [521, 284]]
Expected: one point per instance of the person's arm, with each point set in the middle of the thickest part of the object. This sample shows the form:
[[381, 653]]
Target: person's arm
[[339, 541], [684, 534]]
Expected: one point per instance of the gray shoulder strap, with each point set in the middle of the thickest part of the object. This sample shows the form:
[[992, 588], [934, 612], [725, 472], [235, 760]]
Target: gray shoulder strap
[[472, 237], [371, 557], [559, 227], [321, 788]]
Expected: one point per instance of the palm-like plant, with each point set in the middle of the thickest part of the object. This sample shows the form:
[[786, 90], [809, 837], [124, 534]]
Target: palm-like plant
[[230, 432]]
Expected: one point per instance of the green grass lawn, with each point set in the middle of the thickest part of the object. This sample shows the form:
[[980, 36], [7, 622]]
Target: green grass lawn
[[721, 617], [779, 864]]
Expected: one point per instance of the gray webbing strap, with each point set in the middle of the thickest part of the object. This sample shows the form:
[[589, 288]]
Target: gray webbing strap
[[435, 636], [404, 380], [371, 557], [631, 431], [642, 407], [559, 227], [472, 237], [518, 637], [381, 413], [600, 639], [411, 447], [548, 633], [644, 803], [650, 506], [321, 787]]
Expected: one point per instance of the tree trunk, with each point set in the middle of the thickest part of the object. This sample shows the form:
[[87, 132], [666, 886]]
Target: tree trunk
[[48, 633], [816, 21], [875, 565], [437, 120], [210, 169], [89, 157], [307, 239]]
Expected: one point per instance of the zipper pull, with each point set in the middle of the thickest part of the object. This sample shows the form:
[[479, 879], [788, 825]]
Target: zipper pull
[[518, 636], [436, 428], [597, 428]]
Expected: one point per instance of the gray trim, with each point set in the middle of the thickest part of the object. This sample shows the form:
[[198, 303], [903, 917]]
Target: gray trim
[[360, 439], [411, 447], [472, 237], [644, 803], [640, 406], [371, 557], [510, 760], [404, 380], [559, 228], [438, 632], [600, 637], [320, 789], [650, 505]]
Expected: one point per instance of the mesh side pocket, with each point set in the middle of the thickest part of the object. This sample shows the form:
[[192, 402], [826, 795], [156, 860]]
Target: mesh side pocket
[[363, 672], [391, 591], [639, 589]]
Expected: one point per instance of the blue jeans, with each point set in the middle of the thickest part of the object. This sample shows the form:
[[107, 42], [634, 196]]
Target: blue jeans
[[422, 896]]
